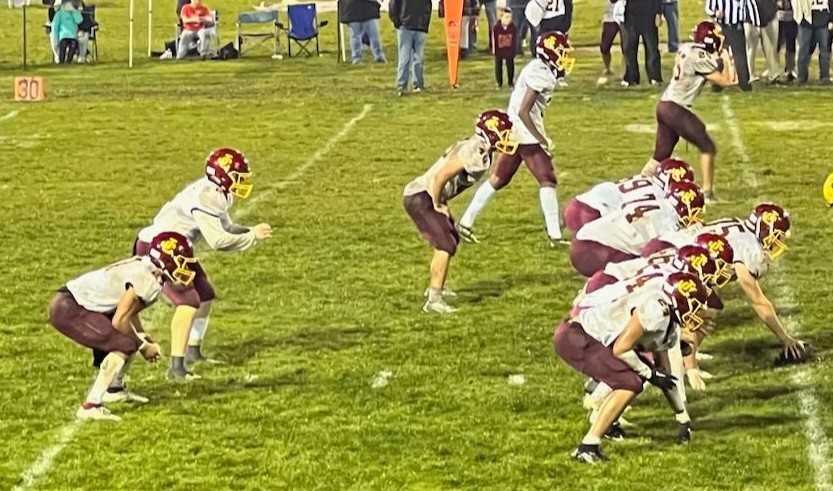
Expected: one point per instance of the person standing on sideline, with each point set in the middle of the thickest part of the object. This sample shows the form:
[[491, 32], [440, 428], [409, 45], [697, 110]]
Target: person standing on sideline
[[641, 19], [813, 18], [731, 14], [504, 37], [672, 20], [521, 24], [787, 33], [490, 6], [610, 29], [762, 25], [548, 16], [363, 18], [65, 31], [411, 19]]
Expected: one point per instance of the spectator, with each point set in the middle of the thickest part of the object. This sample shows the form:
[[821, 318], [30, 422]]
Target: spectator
[[363, 18], [471, 9], [813, 18], [411, 19], [548, 15], [519, 21], [85, 31], [65, 31], [641, 19], [672, 20], [731, 14], [504, 36], [490, 6], [197, 27], [610, 29], [762, 25], [787, 32]]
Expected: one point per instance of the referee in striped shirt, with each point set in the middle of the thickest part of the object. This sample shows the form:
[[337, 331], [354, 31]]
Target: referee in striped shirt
[[731, 14]]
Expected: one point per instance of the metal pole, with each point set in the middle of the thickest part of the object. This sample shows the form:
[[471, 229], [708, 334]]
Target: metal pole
[[130, 31], [24, 37], [338, 21], [150, 25]]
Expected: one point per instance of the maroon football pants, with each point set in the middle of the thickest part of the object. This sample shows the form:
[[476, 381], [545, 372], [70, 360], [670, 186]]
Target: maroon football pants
[[675, 121], [89, 329], [536, 159], [578, 214], [436, 228], [588, 256]]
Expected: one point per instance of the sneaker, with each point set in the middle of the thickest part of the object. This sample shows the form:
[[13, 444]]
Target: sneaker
[[417, 90], [624, 84], [95, 412], [446, 293], [754, 79], [182, 377], [615, 432], [400, 92], [655, 82], [589, 454], [601, 81], [438, 307], [467, 234], [121, 394]]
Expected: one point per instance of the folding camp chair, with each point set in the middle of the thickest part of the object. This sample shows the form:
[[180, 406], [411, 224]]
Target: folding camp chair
[[193, 50], [303, 27], [253, 18]]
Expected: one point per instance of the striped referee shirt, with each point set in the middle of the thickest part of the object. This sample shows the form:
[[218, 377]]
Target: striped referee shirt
[[732, 12]]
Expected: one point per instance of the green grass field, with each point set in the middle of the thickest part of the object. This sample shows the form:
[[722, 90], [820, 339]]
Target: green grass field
[[308, 320]]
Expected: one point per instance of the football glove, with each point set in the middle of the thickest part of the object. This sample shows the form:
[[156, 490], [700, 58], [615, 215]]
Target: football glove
[[795, 353], [663, 381], [695, 379]]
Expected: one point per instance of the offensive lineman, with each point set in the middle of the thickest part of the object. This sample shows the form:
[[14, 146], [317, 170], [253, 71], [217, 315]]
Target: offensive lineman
[[201, 211]]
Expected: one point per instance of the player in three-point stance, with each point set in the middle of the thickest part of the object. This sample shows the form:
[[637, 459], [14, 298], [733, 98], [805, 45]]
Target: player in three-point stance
[[100, 310], [201, 211], [426, 197], [531, 96]]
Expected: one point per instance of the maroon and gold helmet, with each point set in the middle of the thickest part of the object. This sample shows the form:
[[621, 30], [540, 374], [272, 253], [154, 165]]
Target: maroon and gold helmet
[[687, 296], [709, 35], [171, 253], [553, 48], [674, 170], [688, 201], [696, 259], [229, 169], [721, 252], [771, 225], [495, 127]]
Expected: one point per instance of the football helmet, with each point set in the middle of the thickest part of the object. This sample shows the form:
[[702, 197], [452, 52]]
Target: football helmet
[[171, 253], [688, 201], [553, 48], [709, 35], [827, 190], [697, 260], [674, 170], [687, 296], [229, 169], [771, 225], [721, 252], [495, 128]]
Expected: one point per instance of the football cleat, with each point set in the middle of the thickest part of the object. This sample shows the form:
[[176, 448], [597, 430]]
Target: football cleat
[[589, 454], [438, 307], [615, 432], [446, 293], [467, 234], [123, 395], [182, 376], [684, 433], [95, 412]]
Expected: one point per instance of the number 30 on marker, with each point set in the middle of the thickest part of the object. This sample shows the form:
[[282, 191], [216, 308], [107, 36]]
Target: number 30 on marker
[[29, 89]]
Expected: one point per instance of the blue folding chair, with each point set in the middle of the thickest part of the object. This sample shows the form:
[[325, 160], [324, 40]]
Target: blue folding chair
[[303, 27]]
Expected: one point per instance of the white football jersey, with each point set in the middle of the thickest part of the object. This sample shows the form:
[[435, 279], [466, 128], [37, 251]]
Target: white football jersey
[[605, 313], [101, 290], [691, 67], [632, 226], [610, 196], [536, 76], [200, 211], [476, 157], [640, 266]]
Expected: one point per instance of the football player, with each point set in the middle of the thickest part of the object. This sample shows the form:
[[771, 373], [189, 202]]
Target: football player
[[201, 211], [100, 310], [619, 236], [530, 97], [697, 62], [601, 342], [606, 197], [426, 197], [757, 241]]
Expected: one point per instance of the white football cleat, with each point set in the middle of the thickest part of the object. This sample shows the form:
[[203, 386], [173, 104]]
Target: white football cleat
[[438, 307], [446, 293], [124, 395], [95, 413]]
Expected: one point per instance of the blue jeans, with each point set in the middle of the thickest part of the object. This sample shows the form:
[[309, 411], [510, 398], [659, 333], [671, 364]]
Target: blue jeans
[[369, 28], [521, 24], [672, 19], [808, 38], [411, 48]]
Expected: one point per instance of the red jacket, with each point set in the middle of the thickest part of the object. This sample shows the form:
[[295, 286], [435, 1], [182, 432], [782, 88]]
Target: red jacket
[[504, 40]]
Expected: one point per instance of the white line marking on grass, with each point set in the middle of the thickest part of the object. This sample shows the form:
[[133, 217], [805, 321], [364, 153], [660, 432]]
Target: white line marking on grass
[[40, 467], [301, 169], [818, 448], [10, 115]]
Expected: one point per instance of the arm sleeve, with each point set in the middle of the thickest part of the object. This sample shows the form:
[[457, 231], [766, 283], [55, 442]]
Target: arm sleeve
[[232, 227], [211, 227]]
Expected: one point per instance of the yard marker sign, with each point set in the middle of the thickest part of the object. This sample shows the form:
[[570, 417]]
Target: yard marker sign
[[453, 20]]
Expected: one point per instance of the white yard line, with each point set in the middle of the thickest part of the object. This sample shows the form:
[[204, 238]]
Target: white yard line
[[818, 450], [40, 467], [9, 115]]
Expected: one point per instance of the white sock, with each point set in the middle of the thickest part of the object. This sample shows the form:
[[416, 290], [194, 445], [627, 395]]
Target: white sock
[[549, 205], [435, 294], [591, 440], [481, 197], [198, 328], [600, 393], [118, 380], [109, 368], [675, 358]]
